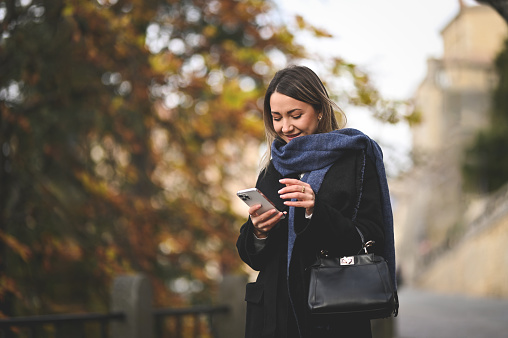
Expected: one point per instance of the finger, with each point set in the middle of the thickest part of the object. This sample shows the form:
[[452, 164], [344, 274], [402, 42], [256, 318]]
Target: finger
[[260, 219], [295, 195], [267, 215], [253, 209], [297, 192], [301, 189], [272, 216], [290, 181], [296, 186], [300, 204], [271, 222]]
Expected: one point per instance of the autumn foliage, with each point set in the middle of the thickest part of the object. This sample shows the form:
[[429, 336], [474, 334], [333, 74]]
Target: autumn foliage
[[122, 125]]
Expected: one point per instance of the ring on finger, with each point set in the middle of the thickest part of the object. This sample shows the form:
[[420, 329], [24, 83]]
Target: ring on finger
[[303, 189]]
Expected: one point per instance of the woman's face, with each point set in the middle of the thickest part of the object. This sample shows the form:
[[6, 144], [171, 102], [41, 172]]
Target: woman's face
[[292, 118]]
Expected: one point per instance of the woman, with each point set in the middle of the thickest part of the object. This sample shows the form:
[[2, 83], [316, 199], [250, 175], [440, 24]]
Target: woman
[[323, 178]]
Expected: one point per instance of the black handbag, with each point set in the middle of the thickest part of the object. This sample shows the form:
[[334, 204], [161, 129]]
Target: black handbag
[[358, 286]]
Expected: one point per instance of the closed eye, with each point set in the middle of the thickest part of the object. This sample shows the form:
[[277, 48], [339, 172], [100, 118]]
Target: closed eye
[[293, 113]]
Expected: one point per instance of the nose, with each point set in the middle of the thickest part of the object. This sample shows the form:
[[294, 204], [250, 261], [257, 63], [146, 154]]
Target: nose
[[286, 126]]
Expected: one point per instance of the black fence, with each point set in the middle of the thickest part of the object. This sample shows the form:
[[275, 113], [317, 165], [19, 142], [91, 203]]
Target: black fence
[[132, 316], [171, 322], [56, 325]]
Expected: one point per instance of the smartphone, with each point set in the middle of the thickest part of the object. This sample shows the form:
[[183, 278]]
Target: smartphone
[[253, 196]]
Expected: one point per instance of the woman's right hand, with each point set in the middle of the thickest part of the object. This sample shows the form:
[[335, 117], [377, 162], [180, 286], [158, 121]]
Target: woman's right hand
[[265, 222]]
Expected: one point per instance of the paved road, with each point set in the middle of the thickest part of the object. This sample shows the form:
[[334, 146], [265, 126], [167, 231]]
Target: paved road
[[431, 315]]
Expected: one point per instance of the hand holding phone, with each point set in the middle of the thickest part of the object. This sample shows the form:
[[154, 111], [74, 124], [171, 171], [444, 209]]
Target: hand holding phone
[[253, 196]]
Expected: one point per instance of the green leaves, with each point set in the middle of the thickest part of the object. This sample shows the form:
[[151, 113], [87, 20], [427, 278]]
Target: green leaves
[[485, 166]]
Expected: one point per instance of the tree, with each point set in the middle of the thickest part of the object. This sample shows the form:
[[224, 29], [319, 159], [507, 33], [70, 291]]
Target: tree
[[122, 125], [486, 165]]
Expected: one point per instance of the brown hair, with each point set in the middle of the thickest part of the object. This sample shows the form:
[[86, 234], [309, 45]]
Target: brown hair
[[302, 84]]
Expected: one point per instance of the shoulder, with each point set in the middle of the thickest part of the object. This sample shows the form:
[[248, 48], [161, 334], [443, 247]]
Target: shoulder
[[354, 165], [349, 159]]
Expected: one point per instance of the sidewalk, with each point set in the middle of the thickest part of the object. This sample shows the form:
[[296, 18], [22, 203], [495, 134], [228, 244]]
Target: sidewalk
[[425, 314]]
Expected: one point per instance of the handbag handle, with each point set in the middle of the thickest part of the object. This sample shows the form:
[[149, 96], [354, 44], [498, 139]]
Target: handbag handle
[[365, 245]]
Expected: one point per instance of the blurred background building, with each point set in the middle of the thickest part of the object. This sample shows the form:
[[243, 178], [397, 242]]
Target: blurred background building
[[448, 239]]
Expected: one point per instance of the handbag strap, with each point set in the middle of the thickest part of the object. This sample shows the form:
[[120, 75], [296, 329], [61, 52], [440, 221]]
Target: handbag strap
[[359, 185]]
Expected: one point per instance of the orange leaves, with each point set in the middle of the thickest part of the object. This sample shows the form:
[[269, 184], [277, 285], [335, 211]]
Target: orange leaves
[[134, 127], [111, 262], [8, 285], [93, 185], [165, 63], [17, 120], [170, 245], [210, 31], [304, 25], [66, 249], [16, 246]]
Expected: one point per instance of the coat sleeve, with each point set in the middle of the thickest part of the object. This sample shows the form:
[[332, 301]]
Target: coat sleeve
[[257, 259], [277, 237]]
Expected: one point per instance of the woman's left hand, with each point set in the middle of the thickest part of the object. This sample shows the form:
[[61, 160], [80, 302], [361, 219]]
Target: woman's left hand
[[301, 191]]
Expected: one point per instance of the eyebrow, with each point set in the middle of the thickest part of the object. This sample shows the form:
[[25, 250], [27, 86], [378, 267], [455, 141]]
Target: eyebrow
[[289, 111]]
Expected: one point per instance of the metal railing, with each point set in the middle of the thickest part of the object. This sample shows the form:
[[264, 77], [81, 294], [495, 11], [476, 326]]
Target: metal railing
[[161, 316], [32, 324], [132, 316]]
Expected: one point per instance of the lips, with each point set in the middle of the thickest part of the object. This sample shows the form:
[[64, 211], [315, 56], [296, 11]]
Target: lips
[[292, 136]]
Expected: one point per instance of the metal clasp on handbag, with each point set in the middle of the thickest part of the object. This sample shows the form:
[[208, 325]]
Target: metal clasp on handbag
[[366, 245], [347, 260]]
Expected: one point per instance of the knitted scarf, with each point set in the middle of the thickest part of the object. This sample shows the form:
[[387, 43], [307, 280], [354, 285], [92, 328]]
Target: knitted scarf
[[314, 155]]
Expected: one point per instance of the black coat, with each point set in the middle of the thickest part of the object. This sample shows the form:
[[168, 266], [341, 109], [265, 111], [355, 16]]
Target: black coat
[[269, 313]]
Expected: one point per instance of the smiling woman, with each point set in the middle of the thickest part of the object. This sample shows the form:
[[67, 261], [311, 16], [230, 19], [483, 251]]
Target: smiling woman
[[332, 185], [297, 92], [293, 118]]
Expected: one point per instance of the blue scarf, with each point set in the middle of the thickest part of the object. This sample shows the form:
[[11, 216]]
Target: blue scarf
[[314, 155]]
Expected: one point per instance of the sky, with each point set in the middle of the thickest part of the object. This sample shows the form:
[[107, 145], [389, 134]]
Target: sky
[[389, 39]]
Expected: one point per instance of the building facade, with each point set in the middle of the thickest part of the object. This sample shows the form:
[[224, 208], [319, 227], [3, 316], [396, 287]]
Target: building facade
[[454, 98]]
